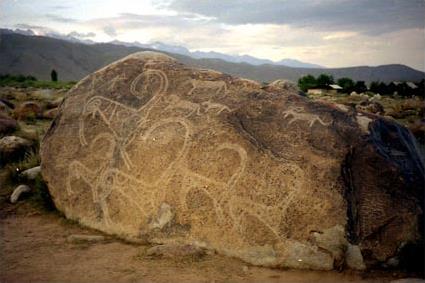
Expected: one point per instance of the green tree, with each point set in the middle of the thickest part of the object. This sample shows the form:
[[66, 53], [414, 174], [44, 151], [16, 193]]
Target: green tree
[[347, 84], [307, 82], [54, 75], [360, 87], [324, 80]]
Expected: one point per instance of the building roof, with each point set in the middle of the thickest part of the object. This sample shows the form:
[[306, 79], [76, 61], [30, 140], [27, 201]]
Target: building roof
[[411, 85], [335, 87]]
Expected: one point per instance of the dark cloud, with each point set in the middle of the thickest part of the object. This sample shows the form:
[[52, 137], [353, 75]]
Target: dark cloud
[[366, 16], [60, 19]]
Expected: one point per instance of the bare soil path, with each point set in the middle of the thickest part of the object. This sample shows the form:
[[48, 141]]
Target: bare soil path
[[34, 248]]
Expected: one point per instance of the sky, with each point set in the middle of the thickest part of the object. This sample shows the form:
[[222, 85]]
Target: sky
[[332, 33]]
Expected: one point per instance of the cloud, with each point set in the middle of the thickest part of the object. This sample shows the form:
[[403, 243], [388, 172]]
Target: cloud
[[136, 21], [36, 29], [366, 16], [81, 35], [110, 30], [57, 18], [60, 7]]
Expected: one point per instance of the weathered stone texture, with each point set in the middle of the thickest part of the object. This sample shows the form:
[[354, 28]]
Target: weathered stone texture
[[147, 148]]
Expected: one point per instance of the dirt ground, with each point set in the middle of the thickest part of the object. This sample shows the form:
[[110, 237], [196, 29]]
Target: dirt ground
[[34, 248]]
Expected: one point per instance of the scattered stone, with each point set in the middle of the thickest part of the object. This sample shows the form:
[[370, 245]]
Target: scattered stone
[[332, 240], [13, 148], [31, 173], [76, 238], [148, 144], [286, 86], [164, 217], [393, 262], [354, 258], [408, 280], [7, 103], [175, 251], [371, 107], [28, 109], [55, 103], [18, 191], [51, 113], [7, 124], [376, 97], [4, 108]]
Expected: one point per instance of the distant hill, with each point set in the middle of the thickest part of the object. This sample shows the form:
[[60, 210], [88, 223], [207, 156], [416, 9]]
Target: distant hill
[[37, 55]]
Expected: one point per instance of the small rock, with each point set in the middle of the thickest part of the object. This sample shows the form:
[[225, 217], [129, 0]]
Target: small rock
[[4, 108], [354, 258], [165, 216], [245, 268], [18, 191], [6, 102], [31, 173], [28, 109], [393, 262], [285, 85], [76, 238], [55, 103], [51, 113], [332, 240], [408, 280], [7, 124], [13, 148], [176, 251]]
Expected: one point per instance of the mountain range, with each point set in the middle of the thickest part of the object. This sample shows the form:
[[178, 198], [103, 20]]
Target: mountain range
[[216, 55], [37, 55], [160, 46]]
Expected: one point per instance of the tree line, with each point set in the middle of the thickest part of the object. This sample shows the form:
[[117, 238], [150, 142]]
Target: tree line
[[348, 85]]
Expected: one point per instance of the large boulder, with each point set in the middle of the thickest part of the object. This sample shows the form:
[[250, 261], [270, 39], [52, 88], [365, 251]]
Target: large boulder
[[151, 150]]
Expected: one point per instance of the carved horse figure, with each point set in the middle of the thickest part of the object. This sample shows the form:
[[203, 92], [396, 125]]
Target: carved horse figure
[[119, 118]]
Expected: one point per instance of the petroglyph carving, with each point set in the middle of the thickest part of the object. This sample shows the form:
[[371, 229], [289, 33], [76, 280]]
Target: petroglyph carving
[[117, 115], [175, 102], [113, 83], [217, 107], [218, 86], [299, 114]]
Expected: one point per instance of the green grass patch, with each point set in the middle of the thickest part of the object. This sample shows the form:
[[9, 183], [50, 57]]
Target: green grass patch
[[21, 81]]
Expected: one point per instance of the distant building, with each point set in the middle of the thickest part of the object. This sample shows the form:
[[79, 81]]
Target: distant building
[[336, 87], [316, 91], [409, 84], [330, 89]]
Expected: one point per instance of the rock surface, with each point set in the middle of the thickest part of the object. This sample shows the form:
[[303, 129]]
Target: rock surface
[[147, 148]]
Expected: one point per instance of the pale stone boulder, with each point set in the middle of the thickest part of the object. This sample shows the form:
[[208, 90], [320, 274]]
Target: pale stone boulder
[[18, 191], [149, 149], [31, 173]]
